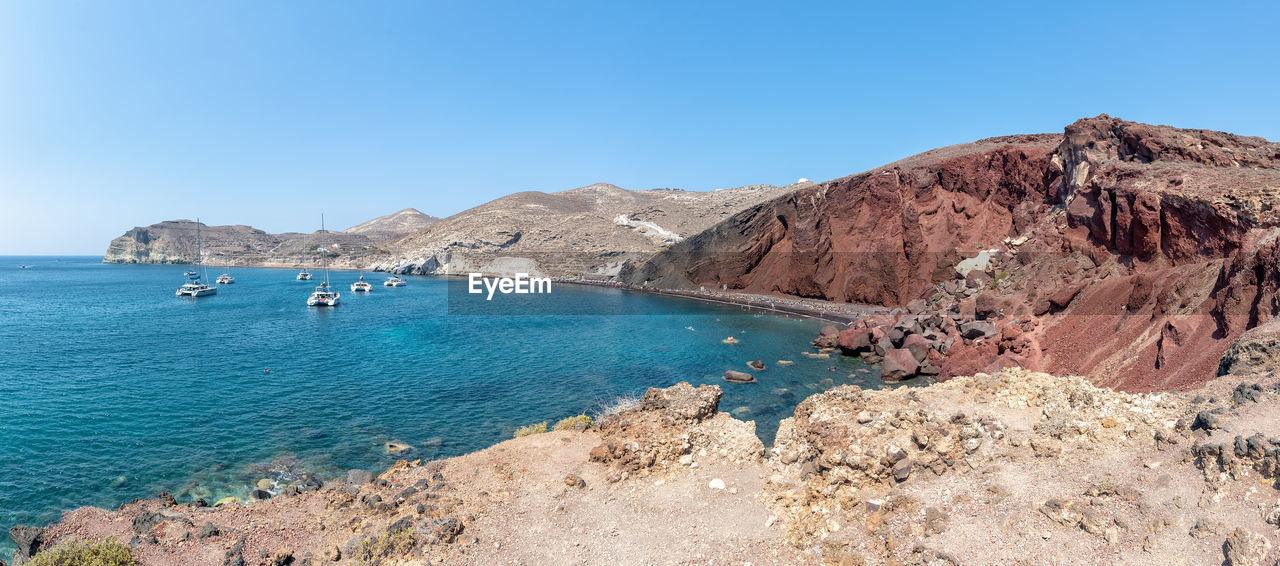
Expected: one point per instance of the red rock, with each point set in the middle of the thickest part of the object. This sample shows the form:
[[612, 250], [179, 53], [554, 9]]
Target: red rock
[[1159, 222], [898, 365], [977, 280], [917, 345], [854, 341], [1010, 331]]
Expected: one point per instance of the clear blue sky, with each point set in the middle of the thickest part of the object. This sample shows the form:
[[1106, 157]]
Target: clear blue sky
[[116, 114]]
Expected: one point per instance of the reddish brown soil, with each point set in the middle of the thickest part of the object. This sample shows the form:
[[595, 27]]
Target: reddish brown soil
[[1147, 250]]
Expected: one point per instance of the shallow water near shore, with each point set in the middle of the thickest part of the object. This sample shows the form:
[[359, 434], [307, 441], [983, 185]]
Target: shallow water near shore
[[113, 389]]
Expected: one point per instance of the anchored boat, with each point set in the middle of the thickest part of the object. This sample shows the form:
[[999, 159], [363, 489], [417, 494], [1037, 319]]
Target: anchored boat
[[323, 296], [395, 281], [361, 286], [195, 287], [226, 278]]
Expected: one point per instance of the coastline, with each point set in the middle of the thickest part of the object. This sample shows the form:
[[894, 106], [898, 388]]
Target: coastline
[[840, 313]]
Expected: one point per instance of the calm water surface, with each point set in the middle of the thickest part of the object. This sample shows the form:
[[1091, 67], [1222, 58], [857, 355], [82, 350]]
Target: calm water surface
[[112, 389]]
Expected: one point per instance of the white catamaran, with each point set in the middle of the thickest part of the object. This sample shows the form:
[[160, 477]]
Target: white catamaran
[[395, 281], [303, 275], [226, 278], [361, 286], [323, 296], [195, 287]]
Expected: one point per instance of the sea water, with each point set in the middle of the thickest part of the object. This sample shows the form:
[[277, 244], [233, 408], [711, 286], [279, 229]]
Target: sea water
[[112, 388]]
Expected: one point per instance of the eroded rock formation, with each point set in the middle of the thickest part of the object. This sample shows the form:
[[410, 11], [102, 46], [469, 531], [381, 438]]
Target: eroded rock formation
[[1135, 254]]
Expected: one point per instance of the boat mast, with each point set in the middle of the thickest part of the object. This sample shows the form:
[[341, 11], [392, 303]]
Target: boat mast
[[204, 274], [324, 257]]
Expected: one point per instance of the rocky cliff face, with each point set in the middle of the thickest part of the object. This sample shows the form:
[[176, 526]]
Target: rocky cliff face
[[1136, 252], [174, 241], [591, 231]]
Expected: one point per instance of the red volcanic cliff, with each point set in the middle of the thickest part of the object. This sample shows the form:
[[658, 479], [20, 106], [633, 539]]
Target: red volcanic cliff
[[1127, 252]]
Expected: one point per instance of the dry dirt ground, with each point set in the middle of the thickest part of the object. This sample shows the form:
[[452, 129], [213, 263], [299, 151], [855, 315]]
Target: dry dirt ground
[[1012, 468]]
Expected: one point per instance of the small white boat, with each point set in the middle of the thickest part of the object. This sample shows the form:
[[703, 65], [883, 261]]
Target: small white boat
[[323, 296], [226, 279], [304, 275], [194, 287], [395, 281], [361, 286]]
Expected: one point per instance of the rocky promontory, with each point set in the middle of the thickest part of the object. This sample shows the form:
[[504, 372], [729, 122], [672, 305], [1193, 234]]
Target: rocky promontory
[[174, 242]]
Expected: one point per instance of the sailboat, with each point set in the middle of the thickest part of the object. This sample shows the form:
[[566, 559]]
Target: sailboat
[[194, 287], [323, 296], [226, 278], [361, 286], [395, 281], [303, 275]]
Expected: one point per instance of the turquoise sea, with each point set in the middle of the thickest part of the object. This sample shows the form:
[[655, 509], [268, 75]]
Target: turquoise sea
[[112, 388]]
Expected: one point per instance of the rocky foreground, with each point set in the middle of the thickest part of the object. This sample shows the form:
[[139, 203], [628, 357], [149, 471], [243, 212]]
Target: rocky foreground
[[1015, 467]]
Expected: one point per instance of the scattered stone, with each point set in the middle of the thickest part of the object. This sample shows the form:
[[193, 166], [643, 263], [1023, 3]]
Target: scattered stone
[[1245, 548], [442, 530], [1246, 393], [1205, 528], [359, 477], [756, 365], [716, 484], [146, 522], [902, 470], [574, 480], [260, 495], [282, 557], [167, 499], [1205, 420], [209, 530], [395, 447], [738, 377], [935, 520]]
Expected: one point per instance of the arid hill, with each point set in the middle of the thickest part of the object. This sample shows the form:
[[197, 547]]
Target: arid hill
[[592, 230], [393, 226], [1129, 253]]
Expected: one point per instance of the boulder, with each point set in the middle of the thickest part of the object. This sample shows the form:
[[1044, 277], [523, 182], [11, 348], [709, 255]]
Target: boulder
[[259, 494], [1246, 548], [829, 330], [756, 365], [896, 335], [977, 279], [684, 401], [883, 345], [28, 540], [738, 377], [1257, 349], [898, 365], [359, 477], [986, 306], [978, 329], [854, 341], [916, 306], [918, 346], [902, 469]]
